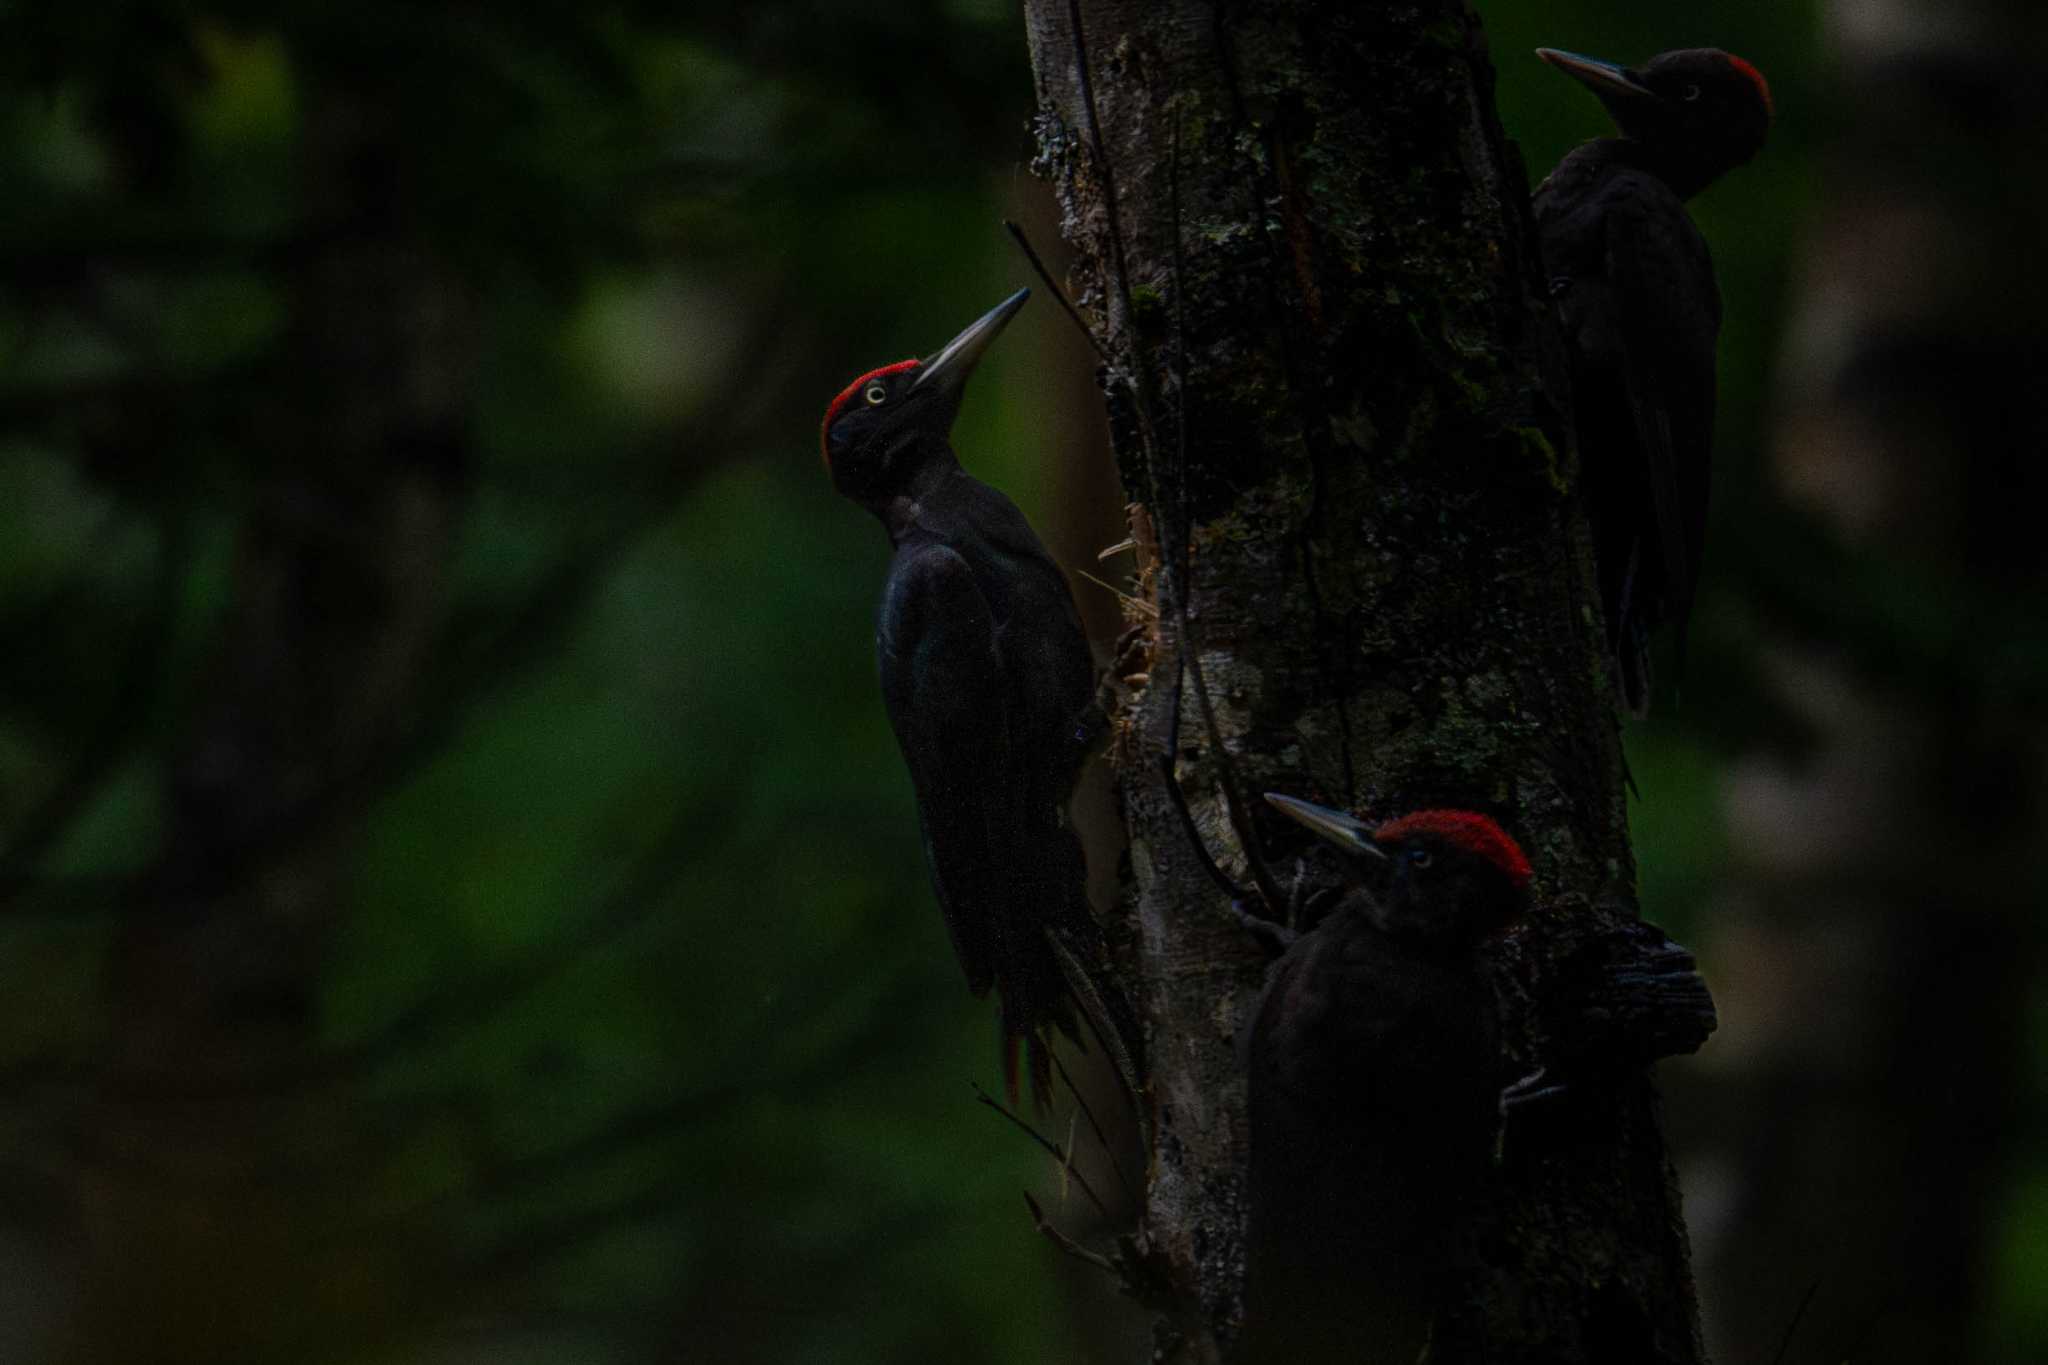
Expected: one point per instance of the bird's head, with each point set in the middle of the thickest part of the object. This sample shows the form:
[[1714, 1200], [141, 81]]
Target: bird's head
[[1700, 110], [888, 424], [1449, 877]]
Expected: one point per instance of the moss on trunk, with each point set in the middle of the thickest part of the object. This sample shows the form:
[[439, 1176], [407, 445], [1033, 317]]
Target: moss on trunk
[[1307, 244]]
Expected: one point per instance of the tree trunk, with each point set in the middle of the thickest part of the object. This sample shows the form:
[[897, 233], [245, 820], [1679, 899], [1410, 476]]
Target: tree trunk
[[1307, 248]]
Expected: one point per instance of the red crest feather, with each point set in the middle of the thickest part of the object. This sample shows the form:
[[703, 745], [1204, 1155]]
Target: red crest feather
[[846, 396], [1763, 87], [1475, 833]]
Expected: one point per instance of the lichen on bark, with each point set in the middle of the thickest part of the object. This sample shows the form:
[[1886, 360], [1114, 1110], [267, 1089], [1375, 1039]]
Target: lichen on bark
[[1305, 243]]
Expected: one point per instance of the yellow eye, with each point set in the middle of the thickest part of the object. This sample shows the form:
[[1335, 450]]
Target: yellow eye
[[875, 393]]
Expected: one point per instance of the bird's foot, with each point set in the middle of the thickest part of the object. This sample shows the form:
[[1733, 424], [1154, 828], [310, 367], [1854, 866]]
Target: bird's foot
[[1271, 935], [1307, 908]]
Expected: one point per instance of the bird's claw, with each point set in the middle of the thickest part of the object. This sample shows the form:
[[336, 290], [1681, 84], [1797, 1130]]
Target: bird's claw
[[1275, 937]]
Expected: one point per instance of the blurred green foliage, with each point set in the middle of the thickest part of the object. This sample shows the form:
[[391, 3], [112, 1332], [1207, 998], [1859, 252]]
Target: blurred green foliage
[[650, 1037], [650, 1042], [1912, 629]]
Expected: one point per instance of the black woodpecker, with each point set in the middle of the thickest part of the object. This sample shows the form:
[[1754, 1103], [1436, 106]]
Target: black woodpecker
[[990, 689], [1372, 1064], [1634, 289]]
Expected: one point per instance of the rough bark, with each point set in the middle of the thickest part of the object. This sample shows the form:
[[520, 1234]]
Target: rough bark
[[1306, 244]]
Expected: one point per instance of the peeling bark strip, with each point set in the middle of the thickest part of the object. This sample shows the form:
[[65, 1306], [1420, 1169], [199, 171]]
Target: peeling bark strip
[[1308, 249]]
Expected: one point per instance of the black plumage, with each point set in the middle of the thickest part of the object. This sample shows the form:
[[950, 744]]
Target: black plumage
[[989, 686], [1372, 1066], [1633, 284]]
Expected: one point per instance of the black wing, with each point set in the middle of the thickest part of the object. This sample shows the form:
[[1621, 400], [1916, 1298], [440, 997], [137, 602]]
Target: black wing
[[1662, 283], [1317, 1031], [942, 680]]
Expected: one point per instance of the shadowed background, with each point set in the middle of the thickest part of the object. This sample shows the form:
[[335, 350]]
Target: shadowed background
[[459, 897]]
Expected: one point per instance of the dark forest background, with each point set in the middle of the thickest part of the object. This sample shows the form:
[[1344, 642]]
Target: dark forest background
[[459, 898]]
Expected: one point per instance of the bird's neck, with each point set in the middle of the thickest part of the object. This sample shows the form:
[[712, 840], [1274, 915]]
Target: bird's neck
[[931, 465], [1418, 931], [1682, 168]]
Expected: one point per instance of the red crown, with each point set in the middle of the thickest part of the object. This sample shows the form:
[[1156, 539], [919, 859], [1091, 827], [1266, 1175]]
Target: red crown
[[1475, 833], [1763, 87], [846, 396]]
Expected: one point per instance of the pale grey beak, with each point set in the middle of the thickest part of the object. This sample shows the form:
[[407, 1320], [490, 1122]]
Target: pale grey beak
[[1602, 78], [948, 370], [1353, 836]]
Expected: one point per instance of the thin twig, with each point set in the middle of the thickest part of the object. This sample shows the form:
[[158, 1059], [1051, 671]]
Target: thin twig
[[1233, 799], [1137, 604], [1081, 1103], [1174, 558], [1785, 1342], [1179, 801], [1051, 1147], [1066, 1243], [1023, 242]]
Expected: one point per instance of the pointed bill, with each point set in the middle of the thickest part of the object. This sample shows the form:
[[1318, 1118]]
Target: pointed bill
[[1602, 78], [1353, 836], [949, 368]]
